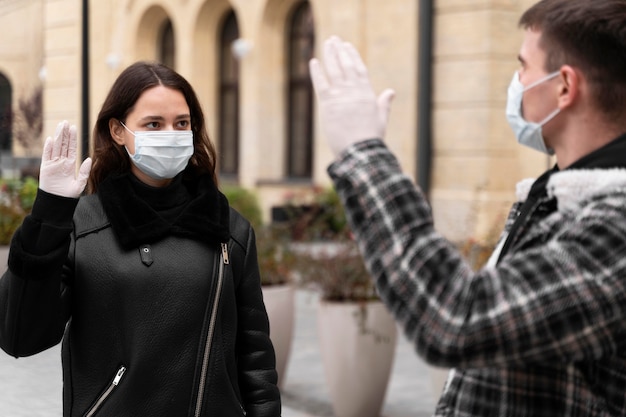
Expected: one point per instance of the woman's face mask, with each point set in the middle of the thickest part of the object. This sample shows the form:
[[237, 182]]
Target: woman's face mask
[[527, 133], [161, 154]]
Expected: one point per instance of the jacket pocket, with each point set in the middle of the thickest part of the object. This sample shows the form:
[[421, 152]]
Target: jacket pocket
[[107, 392]]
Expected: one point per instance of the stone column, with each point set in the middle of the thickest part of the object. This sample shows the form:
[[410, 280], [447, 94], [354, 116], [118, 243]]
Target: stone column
[[476, 160], [62, 35]]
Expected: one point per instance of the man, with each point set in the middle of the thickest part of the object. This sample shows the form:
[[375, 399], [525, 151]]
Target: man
[[541, 330]]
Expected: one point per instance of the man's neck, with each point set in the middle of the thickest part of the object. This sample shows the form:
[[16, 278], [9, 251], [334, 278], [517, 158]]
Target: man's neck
[[584, 138]]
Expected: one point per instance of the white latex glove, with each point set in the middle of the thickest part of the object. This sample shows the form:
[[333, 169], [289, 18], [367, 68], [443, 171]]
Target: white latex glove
[[349, 108], [57, 174]]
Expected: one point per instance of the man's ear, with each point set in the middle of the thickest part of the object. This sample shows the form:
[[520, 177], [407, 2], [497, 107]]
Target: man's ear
[[569, 88], [117, 131]]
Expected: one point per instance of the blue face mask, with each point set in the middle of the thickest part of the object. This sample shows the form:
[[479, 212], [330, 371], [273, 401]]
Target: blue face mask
[[161, 154], [527, 133]]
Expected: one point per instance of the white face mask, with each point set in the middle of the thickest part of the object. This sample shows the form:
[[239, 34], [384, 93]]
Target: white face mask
[[527, 133], [161, 154]]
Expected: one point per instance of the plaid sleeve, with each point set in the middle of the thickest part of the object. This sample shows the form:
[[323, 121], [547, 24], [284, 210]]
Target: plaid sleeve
[[561, 297]]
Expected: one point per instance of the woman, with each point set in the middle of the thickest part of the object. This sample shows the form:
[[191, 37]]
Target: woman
[[151, 280]]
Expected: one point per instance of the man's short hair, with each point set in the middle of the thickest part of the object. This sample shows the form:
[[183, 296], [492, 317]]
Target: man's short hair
[[589, 35]]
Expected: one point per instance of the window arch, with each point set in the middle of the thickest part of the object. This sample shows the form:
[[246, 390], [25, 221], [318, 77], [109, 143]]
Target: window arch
[[301, 42], [6, 114], [228, 141], [166, 44]]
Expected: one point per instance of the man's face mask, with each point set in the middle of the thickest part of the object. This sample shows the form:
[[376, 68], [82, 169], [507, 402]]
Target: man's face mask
[[161, 154], [527, 133]]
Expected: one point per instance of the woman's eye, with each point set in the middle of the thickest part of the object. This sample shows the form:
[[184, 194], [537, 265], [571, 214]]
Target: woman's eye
[[183, 123], [152, 125]]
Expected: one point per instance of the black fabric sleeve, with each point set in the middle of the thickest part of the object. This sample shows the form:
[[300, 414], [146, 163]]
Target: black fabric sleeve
[[34, 302], [43, 239]]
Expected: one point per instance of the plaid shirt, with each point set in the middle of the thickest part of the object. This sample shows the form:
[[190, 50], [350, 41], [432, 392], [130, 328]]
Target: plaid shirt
[[543, 333]]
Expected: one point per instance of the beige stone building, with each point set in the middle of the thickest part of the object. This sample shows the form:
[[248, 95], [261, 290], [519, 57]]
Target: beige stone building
[[247, 61]]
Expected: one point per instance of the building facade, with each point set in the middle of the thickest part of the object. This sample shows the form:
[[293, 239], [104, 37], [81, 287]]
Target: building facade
[[248, 62]]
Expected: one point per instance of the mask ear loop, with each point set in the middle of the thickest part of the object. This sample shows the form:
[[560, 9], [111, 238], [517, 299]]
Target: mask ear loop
[[541, 80], [132, 155], [549, 117], [131, 132], [536, 83]]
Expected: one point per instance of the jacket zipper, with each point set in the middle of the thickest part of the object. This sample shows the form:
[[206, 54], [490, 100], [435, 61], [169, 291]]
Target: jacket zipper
[[107, 393], [207, 347]]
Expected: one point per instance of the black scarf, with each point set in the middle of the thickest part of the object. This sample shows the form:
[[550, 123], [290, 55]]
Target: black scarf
[[135, 221]]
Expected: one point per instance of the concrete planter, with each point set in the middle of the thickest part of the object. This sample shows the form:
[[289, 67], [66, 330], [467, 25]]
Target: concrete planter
[[438, 378], [4, 257], [280, 305], [358, 342]]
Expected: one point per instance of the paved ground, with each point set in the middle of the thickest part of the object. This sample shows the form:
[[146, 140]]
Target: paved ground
[[31, 387]]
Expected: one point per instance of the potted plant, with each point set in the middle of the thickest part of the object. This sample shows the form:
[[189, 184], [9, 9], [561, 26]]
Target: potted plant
[[16, 201], [357, 334], [276, 263]]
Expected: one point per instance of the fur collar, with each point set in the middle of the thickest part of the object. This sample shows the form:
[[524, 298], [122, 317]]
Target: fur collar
[[598, 172], [571, 187], [205, 218]]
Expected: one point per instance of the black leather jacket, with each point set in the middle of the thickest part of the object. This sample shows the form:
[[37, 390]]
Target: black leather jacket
[[173, 327]]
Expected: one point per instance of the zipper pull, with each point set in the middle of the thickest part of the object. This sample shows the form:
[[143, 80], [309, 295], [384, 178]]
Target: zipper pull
[[225, 253], [119, 375]]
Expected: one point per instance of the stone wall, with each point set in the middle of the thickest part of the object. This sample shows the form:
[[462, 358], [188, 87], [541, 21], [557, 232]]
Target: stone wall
[[475, 161]]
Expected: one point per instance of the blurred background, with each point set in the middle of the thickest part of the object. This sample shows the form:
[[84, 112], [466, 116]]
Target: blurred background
[[450, 62]]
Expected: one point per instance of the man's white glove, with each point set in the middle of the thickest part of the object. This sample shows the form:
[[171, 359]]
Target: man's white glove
[[348, 106], [57, 174]]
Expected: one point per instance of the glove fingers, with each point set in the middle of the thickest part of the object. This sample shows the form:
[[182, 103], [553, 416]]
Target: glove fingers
[[384, 104], [85, 167], [65, 141], [356, 65], [345, 61], [320, 83], [71, 148], [57, 142], [331, 60], [47, 150], [57, 131], [56, 149], [83, 174]]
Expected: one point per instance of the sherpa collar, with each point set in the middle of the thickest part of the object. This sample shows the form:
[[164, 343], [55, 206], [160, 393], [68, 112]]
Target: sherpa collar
[[572, 187], [205, 218], [596, 173]]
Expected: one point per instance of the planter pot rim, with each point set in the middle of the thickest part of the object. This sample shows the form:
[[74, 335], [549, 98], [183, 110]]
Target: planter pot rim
[[280, 285], [352, 302]]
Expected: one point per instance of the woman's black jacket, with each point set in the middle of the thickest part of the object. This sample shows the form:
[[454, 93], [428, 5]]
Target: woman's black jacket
[[157, 318]]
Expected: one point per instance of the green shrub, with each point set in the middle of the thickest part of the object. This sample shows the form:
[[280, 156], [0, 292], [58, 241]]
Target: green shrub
[[246, 203], [16, 201], [276, 260], [337, 271], [315, 215]]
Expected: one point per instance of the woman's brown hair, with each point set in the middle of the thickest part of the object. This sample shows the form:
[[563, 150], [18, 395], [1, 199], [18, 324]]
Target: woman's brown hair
[[110, 158]]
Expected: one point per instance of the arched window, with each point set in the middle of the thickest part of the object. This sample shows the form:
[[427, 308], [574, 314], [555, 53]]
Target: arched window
[[6, 114], [166, 44], [228, 140], [300, 93]]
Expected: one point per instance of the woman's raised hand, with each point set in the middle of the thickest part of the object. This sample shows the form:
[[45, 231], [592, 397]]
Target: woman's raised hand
[[58, 174]]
